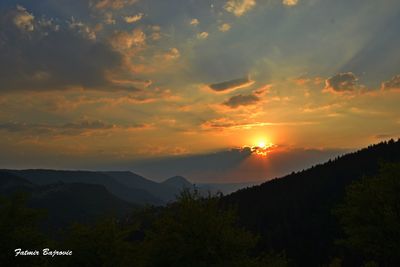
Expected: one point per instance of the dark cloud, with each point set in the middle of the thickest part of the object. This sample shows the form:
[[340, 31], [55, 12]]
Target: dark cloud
[[241, 100], [218, 162], [342, 82], [240, 164], [231, 85], [34, 59], [394, 83]]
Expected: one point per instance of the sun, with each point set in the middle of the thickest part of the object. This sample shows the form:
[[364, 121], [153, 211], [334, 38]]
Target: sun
[[261, 147], [262, 144]]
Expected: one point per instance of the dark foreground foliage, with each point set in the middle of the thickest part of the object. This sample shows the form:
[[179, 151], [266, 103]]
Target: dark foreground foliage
[[370, 218], [192, 232]]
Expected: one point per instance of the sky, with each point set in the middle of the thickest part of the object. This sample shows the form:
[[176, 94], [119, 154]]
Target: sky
[[223, 90]]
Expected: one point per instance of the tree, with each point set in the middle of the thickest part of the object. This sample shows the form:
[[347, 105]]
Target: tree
[[196, 232], [19, 228], [370, 217], [102, 244]]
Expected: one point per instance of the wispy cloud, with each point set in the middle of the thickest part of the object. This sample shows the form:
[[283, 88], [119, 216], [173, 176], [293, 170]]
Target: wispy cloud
[[71, 128], [290, 2], [194, 22], [231, 85], [393, 83], [241, 100], [239, 7], [224, 27], [202, 35], [23, 19], [111, 4], [133, 18]]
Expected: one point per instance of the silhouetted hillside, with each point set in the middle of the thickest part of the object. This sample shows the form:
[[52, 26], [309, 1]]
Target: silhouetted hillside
[[66, 203], [123, 191], [162, 191], [10, 183], [294, 213], [178, 182]]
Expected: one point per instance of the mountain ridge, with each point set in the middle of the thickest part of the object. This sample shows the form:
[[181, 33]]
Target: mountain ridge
[[294, 212]]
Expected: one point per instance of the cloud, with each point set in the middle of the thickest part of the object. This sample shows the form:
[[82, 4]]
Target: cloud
[[228, 165], [241, 100], [239, 7], [156, 32], [202, 35], [82, 28], [290, 2], [385, 136], [231, 85], [122, 40], [134, 18], [23, 19], [46, 59], [394, 83], [111, 4], [224, 27], [72, 128], [191, 165], [194, 22], [341, 82], [173, 53], [224, 123], [108, 19]]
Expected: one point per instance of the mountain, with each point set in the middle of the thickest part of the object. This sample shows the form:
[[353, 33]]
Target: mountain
[[177, 182], [224, 188], [162, 191], [66, 203], [9, 183], [294, 213], [123, 191]]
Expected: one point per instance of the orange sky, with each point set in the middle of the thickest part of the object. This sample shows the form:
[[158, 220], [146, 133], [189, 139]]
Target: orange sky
[[126, 81]]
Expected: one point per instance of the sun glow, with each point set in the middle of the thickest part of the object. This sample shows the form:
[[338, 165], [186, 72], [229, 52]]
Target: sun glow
[[262, 144], [261, 147]]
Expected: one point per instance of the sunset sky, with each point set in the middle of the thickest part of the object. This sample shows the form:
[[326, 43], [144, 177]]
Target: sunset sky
[[120, 84]]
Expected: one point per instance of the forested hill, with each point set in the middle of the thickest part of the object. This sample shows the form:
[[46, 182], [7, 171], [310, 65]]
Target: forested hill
[[294, 213]]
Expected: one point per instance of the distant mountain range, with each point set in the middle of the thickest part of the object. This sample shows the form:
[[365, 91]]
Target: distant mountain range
[[66, 203], [86, 195]]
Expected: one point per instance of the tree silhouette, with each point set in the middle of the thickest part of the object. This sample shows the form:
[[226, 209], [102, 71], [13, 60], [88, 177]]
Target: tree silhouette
[[19, 228], [196, 232], [370, 217]]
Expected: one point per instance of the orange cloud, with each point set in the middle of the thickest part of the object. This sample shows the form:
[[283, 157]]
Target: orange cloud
[[111, 4], [134, 18], [239, 7], [122, 40], [393, 83]]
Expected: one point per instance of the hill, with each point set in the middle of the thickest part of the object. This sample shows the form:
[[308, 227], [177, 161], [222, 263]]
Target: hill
[[123, 191], [178, 182], [163, 191], [66, 203], [294, 213]]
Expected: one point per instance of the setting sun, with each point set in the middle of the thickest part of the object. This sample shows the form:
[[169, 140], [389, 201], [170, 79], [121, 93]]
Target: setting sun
[[261, 147], [262, 144]]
